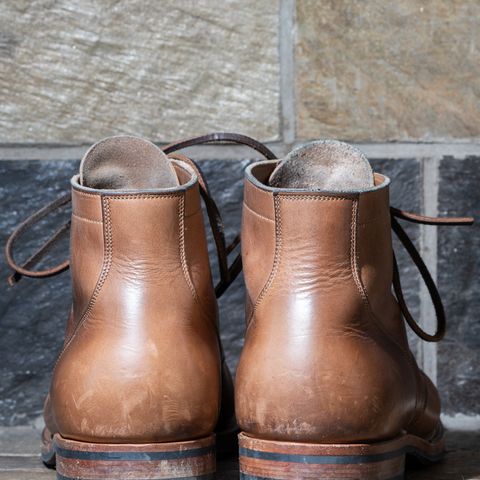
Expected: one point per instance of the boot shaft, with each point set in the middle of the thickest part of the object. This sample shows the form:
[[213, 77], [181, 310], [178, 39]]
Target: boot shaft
[[314, 245], [150, 246]]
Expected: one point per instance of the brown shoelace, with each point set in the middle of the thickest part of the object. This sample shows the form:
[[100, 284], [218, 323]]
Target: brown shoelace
[[229, 273], [422, 268]]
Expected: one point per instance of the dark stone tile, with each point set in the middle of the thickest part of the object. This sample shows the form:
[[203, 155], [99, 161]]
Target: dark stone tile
[[459, 282], [33, 313], [225, 179], [406, 194]]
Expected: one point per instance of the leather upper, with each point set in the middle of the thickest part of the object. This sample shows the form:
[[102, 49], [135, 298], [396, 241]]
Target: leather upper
[[326, 357], [141, 361]]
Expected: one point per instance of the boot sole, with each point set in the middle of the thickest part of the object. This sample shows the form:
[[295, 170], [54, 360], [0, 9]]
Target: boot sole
[[273, 460], [189, 460]]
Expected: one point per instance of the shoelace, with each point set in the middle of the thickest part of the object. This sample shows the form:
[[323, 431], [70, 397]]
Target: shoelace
[[422, 268], [229, 273]]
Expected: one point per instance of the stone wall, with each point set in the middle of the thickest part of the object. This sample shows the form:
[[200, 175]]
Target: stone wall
[[400, 79]]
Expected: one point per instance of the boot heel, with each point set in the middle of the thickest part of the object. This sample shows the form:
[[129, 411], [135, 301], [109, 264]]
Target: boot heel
[[266, 459], [193, 459]]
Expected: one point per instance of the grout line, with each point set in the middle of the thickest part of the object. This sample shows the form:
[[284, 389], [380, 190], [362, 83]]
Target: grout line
[[287, 70], [428, 241], [238, 152], [419, 150], [26, 152], [204, 152]]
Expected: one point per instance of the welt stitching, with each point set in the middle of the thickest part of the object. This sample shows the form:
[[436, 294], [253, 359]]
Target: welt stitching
[[276, 258], [86, 219], [107, 262], [257, 214], [183, 256]]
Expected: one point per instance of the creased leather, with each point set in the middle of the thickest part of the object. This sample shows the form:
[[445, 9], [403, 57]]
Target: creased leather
[[143, 363], [325, 356]]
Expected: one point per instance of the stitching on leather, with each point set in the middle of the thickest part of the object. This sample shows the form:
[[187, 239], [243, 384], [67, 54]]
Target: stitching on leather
[[183, 255], [86, 219], [108, 257], [144, 196], [276, 258], [257, 214], [278, 241], [353, 253], [315, 197], [107, 262]]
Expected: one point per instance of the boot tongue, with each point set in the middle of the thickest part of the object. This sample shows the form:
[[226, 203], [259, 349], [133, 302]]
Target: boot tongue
[[326, 165], [126, 163]]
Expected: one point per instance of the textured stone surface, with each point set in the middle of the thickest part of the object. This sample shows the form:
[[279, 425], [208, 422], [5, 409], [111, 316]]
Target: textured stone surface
[[225, 180], [388, 70], [32, 314], [459, 282], [461, 462], [406, 194], [76, 71]]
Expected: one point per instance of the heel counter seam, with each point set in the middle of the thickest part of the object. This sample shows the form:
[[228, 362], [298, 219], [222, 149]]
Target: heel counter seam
[[183, 254], [107, 262], [276, 259]]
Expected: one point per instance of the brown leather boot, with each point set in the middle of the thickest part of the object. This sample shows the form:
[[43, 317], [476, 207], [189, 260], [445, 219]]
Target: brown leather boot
[[327, 386], [141, 386]]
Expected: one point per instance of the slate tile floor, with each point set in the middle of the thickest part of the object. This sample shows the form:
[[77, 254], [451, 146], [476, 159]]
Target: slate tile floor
[[19, 459]]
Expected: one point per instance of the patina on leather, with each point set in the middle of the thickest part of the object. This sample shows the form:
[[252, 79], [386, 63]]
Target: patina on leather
[[141, 361], [326, 357]]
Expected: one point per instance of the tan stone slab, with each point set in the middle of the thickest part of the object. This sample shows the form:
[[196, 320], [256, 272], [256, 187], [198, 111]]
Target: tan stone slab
[[73, 72], [381, 71]]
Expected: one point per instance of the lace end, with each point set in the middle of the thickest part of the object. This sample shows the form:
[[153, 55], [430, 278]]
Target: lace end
[[467, 220], [423, 219]]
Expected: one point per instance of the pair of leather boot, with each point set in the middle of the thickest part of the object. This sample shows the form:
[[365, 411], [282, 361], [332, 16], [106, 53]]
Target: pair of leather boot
[[326, 386]]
